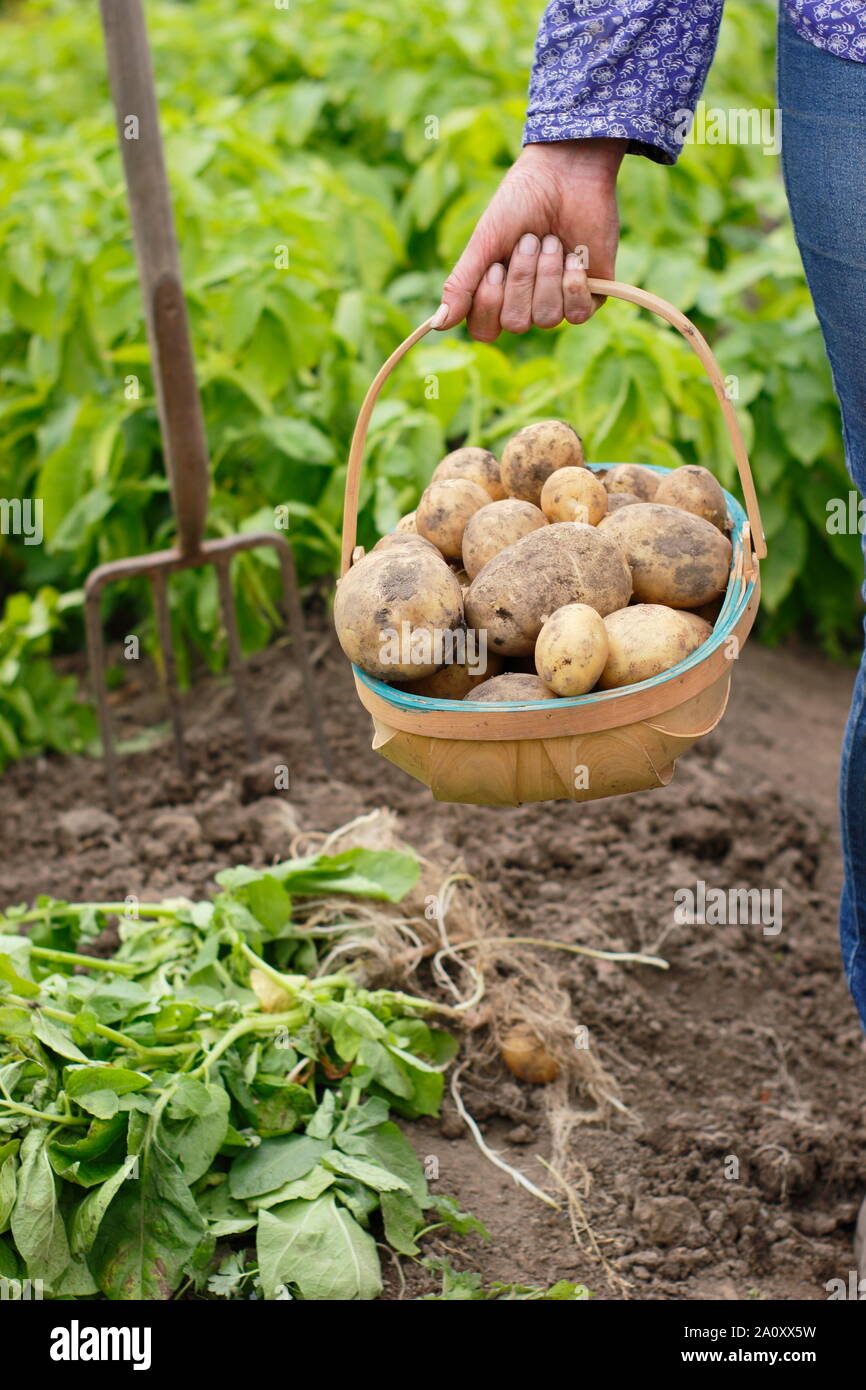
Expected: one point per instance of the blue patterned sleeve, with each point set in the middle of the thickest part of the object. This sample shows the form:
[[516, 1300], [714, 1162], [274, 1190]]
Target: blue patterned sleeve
[[632, 71]]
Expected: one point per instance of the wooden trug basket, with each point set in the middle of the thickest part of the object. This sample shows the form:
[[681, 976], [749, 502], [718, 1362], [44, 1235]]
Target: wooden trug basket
[[606, 743]]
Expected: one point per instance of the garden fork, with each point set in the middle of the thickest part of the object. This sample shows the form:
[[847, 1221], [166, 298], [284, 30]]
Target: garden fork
[[179, 407]]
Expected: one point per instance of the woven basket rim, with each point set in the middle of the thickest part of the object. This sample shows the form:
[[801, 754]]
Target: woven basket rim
[[733, 607]]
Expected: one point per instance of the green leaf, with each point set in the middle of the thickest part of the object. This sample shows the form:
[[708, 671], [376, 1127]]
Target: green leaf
[[150, 1231], [8, 1188], [97, 1088], [402, 1218], [195, 1126], [55, 1038], [320, 1249], [370, 1174], [88, 1215], [387, 1146], [36, 1223], [273, 1163]]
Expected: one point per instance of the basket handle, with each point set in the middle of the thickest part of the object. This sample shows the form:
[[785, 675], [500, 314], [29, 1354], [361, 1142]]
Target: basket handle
[[613, 289]]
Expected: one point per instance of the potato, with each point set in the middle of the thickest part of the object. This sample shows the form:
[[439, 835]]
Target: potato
[[454, 682], [444, 510], [574, 494], [567, 562], [571, 651], [401, 539], [632, 477], [536, 451], [477, 465], [675, 558], [395, 610], [710, 611], [615, 500], [496, 526], [407, 523], [526, 1057], [647, 639], [512, 686], [695, 490]]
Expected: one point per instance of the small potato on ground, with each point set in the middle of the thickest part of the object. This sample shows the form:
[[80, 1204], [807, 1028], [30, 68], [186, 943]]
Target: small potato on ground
[[445, 509], [645, 640], [634, 478], [536, 451], [695, 490], [513, 685], [495, 527], [571, 651], [476, 466], [574, 494]]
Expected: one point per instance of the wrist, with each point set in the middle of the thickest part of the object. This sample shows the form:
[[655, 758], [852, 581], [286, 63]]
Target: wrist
[[598, 157]]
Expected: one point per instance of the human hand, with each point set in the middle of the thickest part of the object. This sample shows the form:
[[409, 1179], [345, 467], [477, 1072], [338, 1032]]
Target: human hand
[[514, 272]]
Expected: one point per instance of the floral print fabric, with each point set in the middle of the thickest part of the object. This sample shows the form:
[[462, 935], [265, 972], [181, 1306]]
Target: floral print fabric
[[635, 69]]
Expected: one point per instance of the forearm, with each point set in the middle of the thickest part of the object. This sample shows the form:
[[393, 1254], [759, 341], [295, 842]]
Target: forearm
[[632, 71]]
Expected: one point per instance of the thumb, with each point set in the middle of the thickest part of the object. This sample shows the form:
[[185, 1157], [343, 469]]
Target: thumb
[[460, 287]]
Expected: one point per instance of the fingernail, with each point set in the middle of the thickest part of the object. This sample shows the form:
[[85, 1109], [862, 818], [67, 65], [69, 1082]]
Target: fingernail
[[496, 274], [440, 316], [528, 245], [572, 262], [550, 245]]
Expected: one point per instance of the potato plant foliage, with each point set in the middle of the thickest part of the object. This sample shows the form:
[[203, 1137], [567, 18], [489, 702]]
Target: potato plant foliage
[[205, 1111], [327, 165]]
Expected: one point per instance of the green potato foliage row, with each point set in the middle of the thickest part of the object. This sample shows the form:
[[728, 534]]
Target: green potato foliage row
[[327, 165]]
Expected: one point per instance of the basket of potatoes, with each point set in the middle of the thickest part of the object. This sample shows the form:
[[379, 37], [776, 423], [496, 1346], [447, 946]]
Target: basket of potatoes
[[543, 628]]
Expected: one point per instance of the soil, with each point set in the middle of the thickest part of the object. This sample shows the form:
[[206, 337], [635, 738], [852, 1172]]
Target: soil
[[739, 1167]]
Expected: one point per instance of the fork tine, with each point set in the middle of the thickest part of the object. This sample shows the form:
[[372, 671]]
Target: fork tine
[[96, 661], [222, 561], [163, 623], [295, 615]]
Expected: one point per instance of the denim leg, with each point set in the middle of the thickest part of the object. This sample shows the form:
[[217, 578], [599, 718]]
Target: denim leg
[[823, 101]]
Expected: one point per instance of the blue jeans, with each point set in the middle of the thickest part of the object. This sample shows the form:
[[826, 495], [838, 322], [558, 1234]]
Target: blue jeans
[[823, 101]]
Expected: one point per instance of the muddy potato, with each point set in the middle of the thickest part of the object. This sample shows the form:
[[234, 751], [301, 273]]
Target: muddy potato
[[409, 539], [536, 451], [496, 526], [567, 562], [476, 465], [514, 685], [676, 558], [407, 523], [645, 640], [454, 682], [574, 494], [634, 478], [526, 1056], [444, 510], [571, 651], [695, 490], [615, 500], [393, 609]]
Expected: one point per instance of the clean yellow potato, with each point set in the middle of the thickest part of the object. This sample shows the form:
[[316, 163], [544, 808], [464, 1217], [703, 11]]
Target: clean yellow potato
[[496, 526], [632, 477], [474, 464], [536, 451], [646, 639], [695, 490], [407, 523], [574, 494], [454, 682], [444, 510], [571, 651], [567, 562], [676, 558], [394, 610], [514, 685]]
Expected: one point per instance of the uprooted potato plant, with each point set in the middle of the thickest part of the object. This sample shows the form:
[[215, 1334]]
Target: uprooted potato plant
[[208, 1109]]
